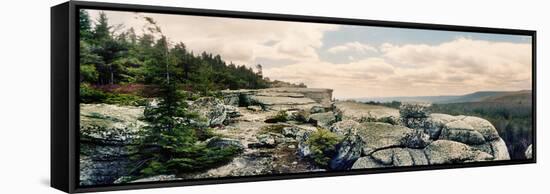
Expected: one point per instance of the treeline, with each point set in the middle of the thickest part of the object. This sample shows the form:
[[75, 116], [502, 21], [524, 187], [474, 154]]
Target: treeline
[[110, 56]]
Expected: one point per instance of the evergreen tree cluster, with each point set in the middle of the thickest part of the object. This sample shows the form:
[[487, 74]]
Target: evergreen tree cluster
[[111, 56]]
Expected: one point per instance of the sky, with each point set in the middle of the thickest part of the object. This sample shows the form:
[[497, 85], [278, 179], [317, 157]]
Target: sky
[[354, 61]]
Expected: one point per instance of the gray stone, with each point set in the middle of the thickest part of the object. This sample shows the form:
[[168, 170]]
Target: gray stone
[[460, 131], [324, 120], [367, 162], [500, 151], [347, 151], [414, 110], [254, 108], [449, 152], [303, 148], [222, 142], [345, 127], [106, 131], [360, 112], [435, 122], [213, 110], [382, 135], [291, 131]]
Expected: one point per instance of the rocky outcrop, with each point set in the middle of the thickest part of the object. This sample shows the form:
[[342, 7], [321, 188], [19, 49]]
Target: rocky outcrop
[[360, 112], [280, 98], [214, 111], [323, 120], [529, 152], [106, 131], [417, 138]]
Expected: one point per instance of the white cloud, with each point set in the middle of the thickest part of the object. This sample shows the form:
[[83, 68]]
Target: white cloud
[[455, 67], [352, 46], [458, 66], [238, 40]]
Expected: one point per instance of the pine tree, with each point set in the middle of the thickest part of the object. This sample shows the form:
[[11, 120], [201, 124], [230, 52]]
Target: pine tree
[[85, 25]]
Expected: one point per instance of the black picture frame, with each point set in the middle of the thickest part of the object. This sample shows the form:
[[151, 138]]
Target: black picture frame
[[65, 88]]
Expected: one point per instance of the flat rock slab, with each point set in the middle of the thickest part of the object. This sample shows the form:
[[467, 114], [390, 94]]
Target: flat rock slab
[[361, 112]]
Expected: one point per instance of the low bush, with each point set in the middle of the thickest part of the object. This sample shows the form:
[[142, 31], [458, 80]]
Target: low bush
[[322, 144], [281, 116], [89, 94]]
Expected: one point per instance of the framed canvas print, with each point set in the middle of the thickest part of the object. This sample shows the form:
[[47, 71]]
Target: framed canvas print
[[148, 96]]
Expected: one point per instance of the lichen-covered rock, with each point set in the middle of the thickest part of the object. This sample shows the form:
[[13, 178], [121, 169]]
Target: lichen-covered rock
[[435, 122], [400, 157], [461, 131], [214, 111], [222, 142], [416, 139], [345, 127], [347, 151], [449, 152], [323, 120], [291, 131], [303, 148], [529, 152], [367, 162], [382, 135], [105, 133], [469, 130], [414, 115], [414, 110], [360, 112]]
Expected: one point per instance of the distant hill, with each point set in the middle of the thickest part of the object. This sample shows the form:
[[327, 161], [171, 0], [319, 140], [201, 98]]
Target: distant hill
[[481, 96]]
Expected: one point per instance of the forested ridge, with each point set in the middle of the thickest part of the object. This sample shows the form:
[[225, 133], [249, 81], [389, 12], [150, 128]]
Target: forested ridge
[[114, 57]]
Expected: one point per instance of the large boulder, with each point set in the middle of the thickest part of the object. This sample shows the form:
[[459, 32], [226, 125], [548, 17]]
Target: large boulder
[[222, 142], [449, 152], [323, 120], [435, 122], [347, 152], [345, 127], [382, 135], [367, 162], [414, 115], [106, 131], [214, 111], [360, 112], [400, 157]]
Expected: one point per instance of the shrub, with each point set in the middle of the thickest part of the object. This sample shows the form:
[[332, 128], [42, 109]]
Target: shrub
[[281, 116], [89, 94], [322, 144], [273, 129]]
